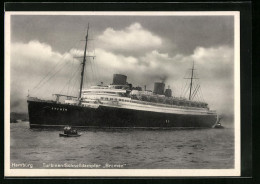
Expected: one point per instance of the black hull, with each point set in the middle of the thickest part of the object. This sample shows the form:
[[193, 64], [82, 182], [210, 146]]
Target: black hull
[[47, 114]]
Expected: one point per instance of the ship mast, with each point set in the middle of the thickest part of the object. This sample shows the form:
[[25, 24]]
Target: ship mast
[[83, 66], [191, 80]]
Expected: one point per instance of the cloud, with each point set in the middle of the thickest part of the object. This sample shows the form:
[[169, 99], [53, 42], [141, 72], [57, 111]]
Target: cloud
[[30, 64], [214, 55], [217, 59], [132, 39], [34, 52], [214, 67]]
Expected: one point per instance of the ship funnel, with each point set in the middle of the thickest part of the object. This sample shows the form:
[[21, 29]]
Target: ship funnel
[[159, 88], [119, 79]]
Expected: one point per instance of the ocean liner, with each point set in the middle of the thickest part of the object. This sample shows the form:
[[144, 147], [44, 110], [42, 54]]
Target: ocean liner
[[120, 105]]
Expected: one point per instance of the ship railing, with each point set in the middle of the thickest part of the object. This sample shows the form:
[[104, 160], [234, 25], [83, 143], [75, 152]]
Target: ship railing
[[39, 100]]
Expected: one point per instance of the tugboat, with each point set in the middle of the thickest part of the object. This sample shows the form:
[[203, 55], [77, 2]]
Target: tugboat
[[69, 132]]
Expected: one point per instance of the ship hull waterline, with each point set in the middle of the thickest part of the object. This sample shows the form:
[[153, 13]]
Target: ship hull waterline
[[51, 114]]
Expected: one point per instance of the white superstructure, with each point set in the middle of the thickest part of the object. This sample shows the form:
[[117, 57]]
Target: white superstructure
[[118, 97]]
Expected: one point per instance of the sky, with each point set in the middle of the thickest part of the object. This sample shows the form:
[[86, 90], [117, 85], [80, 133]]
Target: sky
[[46, 51]]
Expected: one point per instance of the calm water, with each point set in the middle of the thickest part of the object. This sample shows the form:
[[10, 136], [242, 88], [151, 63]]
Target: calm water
[[142, 149]]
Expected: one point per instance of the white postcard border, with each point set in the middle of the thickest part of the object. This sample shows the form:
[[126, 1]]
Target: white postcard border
[[125, 172]]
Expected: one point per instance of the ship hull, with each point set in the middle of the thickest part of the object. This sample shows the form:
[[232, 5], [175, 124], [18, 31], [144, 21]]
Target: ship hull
[[50, 114]]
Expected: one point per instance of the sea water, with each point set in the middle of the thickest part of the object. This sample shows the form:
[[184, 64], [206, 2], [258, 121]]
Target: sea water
[[124, 149]]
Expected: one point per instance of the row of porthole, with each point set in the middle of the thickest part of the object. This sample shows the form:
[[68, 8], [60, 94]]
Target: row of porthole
[[59, 109]]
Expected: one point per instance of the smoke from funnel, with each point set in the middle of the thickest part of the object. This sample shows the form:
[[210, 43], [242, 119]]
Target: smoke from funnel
[[163, 78], [160, 78]]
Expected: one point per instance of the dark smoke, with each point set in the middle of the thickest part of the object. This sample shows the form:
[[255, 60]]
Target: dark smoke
[[163, 78]]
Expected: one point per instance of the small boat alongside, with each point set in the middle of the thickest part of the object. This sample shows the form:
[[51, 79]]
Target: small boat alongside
[[69, 132], [218, 124]]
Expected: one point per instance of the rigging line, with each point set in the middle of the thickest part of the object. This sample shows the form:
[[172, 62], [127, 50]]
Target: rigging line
[[91, 73], [95, 70], [47, 88], [73, 87], [94, 76], [74, 79], [62, 66], [195, 96], [68, 89], [194, 91], [198, 95], [198, 99], [86, 77], [50, 77], [71, 77], [95, 64], [178, 92], [97, 67], [185, 92], [77, 50], [66, 63], [195, 86], [55, 66], [89, 78], [50, 71], [68, 82], [184, 88], [201, 97], [194, 99], [174, 89]]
